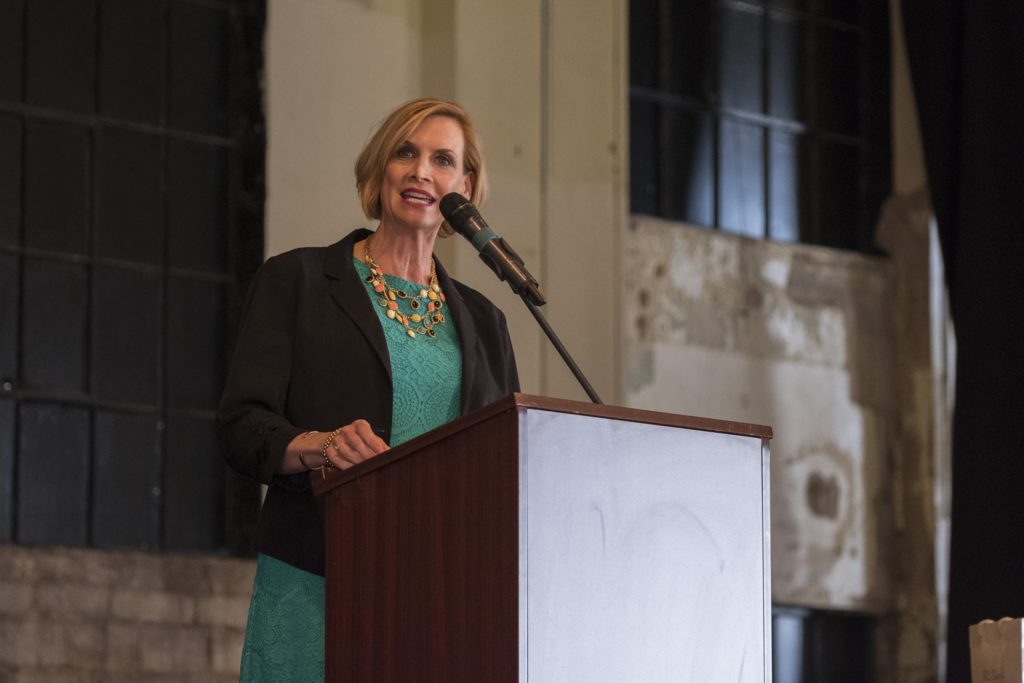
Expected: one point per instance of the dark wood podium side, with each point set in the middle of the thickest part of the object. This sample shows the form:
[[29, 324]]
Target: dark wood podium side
[[429, 564], [422, 557]]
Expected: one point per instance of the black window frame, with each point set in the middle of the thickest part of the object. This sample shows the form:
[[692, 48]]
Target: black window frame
[[228, 123], [658, 95]]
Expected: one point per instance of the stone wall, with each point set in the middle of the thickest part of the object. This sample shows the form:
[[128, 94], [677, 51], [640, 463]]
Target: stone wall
[[797, 337], [85, 616]]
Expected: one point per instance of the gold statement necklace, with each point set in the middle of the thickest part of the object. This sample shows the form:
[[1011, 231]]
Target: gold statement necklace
[[424, 307]]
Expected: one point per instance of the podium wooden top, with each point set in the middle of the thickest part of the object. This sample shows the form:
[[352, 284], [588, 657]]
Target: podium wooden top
[[323, 482]]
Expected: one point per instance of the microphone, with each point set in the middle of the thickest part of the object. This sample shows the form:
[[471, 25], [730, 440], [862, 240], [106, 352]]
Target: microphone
[[494, 251]]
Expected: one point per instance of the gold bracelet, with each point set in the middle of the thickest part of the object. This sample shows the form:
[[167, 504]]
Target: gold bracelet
[[327, 444]]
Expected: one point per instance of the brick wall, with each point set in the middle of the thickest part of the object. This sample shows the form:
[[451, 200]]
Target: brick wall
[[88, 616]]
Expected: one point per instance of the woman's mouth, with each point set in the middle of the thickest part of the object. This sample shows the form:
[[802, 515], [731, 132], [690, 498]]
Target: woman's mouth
[[418, 197]]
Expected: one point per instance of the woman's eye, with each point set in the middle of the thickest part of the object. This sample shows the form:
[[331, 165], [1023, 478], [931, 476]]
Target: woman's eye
[[444, 160], [405, 153]]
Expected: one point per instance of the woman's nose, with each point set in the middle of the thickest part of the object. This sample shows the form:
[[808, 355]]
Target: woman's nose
[[421, 170]]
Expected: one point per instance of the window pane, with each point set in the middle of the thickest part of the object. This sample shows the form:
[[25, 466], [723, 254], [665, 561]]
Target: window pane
[[838, 84], [57, 187], [199, 68], [126, 336], [197, 205], [786, 69], [688, 190], [60, 57], [129, 209], [643, 43], [841, 10], [132, 60], [789, 187], [845, 647], [195, 486], [10, 180], [788, 651], [6, 470], [53, 335], [9, 287], [740, 81], [643, 157], [741, 178], [53, 452], [838, 195], [126, 477], [691, 49], [195, 343], [11, 49]]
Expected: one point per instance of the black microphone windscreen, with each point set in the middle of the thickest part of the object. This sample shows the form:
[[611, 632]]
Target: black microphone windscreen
[[450, 203]]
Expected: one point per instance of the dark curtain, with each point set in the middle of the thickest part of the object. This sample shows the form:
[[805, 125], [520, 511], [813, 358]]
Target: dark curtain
[[967, 66]]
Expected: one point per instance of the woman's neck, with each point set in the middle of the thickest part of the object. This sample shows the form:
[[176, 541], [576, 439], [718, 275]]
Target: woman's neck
[[403, 254]]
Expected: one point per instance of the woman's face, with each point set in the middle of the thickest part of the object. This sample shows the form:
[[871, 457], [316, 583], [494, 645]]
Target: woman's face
[[426, 167]]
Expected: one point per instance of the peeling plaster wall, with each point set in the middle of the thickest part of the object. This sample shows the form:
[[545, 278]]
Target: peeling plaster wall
[[793, 336]]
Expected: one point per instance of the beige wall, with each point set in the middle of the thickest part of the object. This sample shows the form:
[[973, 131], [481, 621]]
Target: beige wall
[[549, 101]]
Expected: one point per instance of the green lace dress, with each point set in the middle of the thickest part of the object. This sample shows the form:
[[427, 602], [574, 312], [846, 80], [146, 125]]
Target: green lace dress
[[284, 638]]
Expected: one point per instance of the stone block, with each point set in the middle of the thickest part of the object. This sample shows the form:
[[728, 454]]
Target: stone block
[[136, 677], [186, 574], [86, 645], [52, 644], [152, 606], [16, 564], [231, 577], [46, 676], [227, 650], [73, 601], [219, 610], [100, 567], [18, 640], [33, 642], [55, 564], [122, 643], [15, 597], [208, 677], [175, 649], [142, 572]]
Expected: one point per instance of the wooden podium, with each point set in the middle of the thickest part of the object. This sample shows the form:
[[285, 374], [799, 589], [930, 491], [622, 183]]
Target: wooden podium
[[547, 540]]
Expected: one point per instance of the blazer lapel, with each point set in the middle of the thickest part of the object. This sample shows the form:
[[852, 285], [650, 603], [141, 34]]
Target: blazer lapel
[[349, 292], [468, 340]]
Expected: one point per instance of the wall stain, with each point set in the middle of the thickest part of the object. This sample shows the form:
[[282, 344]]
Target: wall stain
[[823, 495]]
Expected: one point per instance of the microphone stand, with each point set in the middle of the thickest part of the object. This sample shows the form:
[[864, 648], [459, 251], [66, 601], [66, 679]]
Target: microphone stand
[[542, 321], [508, 266]]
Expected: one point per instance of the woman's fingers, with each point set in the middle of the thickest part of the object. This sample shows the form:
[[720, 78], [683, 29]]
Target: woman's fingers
[[353, 444], [376, 444]]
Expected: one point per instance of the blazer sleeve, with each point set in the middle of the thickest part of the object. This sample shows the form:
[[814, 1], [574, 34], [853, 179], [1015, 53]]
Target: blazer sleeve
[[251, 424]]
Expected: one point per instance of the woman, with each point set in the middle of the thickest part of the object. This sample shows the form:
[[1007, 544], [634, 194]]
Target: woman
[[346, 350]]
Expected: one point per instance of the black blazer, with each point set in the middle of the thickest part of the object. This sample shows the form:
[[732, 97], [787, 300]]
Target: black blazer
[[311, 354]]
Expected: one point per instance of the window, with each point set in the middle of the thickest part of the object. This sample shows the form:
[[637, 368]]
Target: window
[[764, 118], [122, 237]]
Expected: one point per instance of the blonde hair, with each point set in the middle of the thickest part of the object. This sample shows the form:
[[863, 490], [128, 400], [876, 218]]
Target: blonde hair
[[394, 131]]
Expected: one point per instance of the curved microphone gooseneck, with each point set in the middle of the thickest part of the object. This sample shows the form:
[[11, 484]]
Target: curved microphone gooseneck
[[466, 220]]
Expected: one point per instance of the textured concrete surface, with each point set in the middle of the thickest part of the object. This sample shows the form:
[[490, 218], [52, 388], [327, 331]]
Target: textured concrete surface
[[792, 336]]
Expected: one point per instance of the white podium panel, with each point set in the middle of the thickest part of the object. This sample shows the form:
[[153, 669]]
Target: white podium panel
[[644, 552]]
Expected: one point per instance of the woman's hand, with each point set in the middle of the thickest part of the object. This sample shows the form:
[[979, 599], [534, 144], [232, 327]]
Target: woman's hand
[[352, 444], [344, 447]]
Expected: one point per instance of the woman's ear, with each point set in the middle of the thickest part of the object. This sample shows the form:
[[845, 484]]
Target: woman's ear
[[467, 185]]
